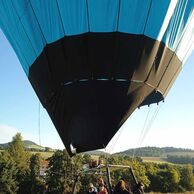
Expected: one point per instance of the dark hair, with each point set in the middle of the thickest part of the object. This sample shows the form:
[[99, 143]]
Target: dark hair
[[120, 185], [101, 185]]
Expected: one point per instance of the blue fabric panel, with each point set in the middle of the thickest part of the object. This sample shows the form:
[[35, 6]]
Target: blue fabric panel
[[103, 15], [30, 25], [49, 19], [25, 46], [11, 23], [157, 13], [133, 14], [177, 24], [8, 17], [74, 16], [9, 20]]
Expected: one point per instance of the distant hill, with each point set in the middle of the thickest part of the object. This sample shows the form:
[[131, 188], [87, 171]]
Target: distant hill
[[163, 152], [156, 151], [29, 145], [96, 152]]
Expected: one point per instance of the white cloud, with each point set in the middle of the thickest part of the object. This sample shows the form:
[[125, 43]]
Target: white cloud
[[6, 133], [50, 139]]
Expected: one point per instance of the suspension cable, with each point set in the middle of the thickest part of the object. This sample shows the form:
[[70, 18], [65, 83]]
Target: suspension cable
[[151, 122], [146, 127], [142, 132], [115, 139], [39, 124]]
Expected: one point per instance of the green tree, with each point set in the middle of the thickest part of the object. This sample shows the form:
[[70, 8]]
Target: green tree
[[77, 163], [35, 166], [86, 158], [163, 177], [140, 172], [18, 153], [35, 181], [170, 180], [20, 156], [187, 177], [62, 171], [57, 172], [8, 171], [174, 179]]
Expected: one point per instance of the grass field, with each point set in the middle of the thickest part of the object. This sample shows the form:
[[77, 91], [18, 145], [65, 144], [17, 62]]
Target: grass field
[[188, 192], [163, 158], [191, 154], [154, 159], [44, 155]]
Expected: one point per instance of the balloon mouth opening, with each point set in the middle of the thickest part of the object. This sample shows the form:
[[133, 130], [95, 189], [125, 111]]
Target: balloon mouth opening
[[92, 128], [73, 149], [153, 97]]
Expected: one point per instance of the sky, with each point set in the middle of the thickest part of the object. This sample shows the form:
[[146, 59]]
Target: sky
[[171, 123]]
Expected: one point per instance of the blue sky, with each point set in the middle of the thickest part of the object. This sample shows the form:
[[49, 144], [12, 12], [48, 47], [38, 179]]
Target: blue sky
[[19, 111]]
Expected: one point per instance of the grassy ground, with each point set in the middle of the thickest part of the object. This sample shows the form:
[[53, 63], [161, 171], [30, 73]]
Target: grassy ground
[[162, 159], [188, 192], [154, 159], [191, 154], [44, 155]]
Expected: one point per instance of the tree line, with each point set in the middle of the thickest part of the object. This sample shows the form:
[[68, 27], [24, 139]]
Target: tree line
[[20, 172], [155, 151], [180, 159]]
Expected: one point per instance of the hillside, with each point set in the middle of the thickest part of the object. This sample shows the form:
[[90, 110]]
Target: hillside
[[144, 152], [30, 145], [157, 152], [96, 153]]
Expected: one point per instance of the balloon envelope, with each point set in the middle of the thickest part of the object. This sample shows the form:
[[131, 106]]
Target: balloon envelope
[[93, 62]]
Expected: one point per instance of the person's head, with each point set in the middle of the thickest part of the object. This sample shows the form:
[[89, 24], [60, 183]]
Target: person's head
[[121, 184], [90, 187], [101, 187], [100, 181], [122, 179]]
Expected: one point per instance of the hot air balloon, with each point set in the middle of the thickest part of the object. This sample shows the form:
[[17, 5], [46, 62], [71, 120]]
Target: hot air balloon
[[93, 62]]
